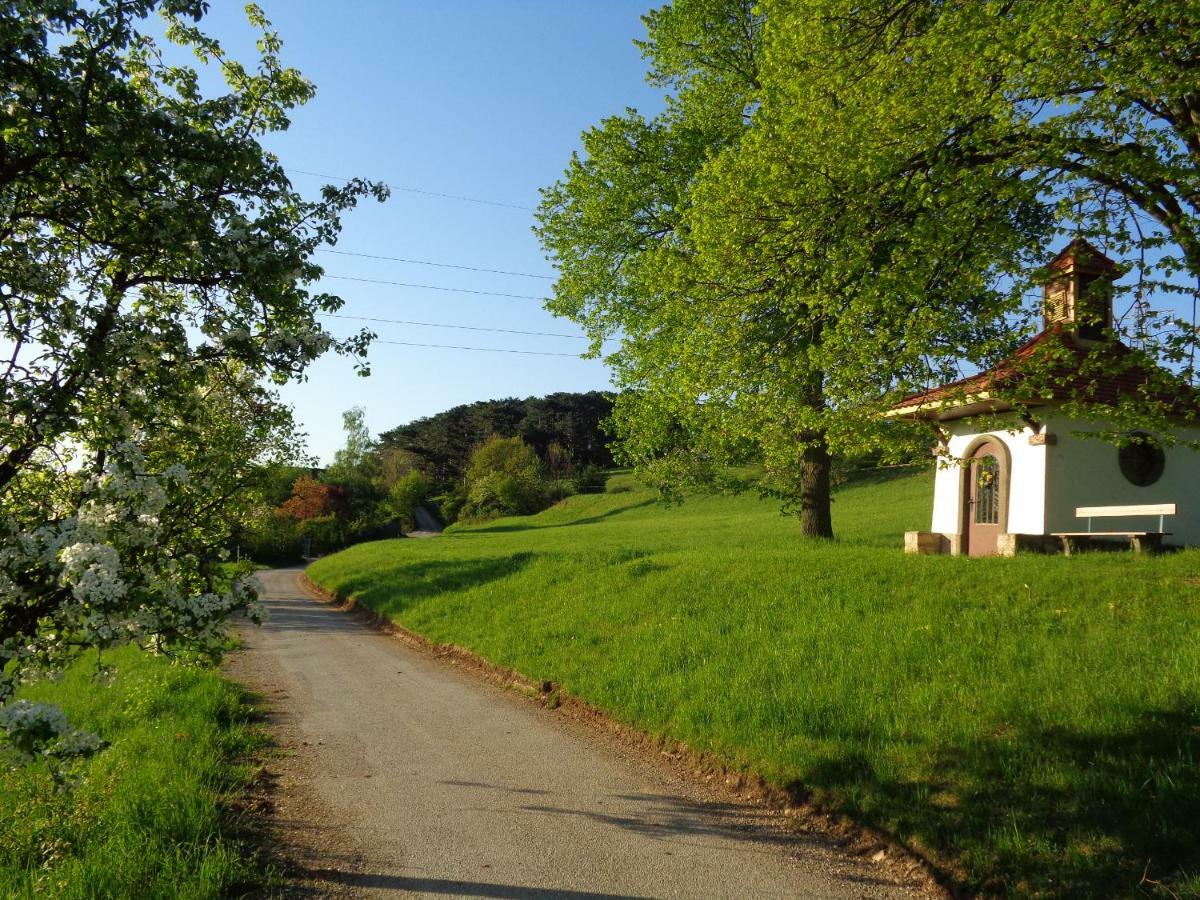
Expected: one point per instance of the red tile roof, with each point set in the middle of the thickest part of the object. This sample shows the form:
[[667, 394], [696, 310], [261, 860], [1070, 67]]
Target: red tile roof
[[1053, 366]]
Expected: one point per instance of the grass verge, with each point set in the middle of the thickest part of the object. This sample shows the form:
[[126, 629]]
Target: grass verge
[[1032, 725], [152, 815]]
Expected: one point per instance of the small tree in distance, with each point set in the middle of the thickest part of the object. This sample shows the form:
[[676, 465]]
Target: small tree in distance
[[504, 478]]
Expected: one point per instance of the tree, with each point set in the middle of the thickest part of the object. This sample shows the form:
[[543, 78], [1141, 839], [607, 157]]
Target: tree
[[504, 478], [882, 224], [406, 494], [620, 214], [311, 498], [441, 445], [154, 263], [354, 459], [356, 475]]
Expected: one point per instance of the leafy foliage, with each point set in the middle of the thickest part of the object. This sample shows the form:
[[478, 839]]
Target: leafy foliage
[[504, 477], [311, 498], [154, 263], [844, 203], [442, 444], [407, 493]]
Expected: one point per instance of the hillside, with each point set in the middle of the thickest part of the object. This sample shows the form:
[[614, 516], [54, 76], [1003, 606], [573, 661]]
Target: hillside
[[1031, 724]]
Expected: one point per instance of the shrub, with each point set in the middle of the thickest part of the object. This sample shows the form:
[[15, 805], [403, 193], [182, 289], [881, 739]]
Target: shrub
[[589, 480], [325, 534], [406, 495], [273, 539], [504, 478]]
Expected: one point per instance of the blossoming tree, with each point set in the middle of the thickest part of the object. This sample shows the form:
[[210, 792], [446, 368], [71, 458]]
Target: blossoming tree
[[154, 263]]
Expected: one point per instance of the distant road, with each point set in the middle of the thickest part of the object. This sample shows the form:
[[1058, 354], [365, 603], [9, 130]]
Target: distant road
[[406, 776], [427, 524]]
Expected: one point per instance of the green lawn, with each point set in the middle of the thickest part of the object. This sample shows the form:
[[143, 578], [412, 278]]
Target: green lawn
[[151, 816], [1032, 724]]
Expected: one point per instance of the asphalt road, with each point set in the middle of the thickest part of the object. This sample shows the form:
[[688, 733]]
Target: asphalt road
[[404, 776]]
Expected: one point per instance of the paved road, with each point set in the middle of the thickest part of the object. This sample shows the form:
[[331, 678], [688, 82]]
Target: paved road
[[408, 776], [427, 525]]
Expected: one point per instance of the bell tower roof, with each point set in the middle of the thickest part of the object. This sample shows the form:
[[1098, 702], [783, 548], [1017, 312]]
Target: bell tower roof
[[1081, 256], [1077, 296]]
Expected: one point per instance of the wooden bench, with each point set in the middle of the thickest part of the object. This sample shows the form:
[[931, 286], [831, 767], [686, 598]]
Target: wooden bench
[[1138, 540]]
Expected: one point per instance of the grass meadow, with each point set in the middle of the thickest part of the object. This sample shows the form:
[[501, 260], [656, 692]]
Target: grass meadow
[[1032, 725], [151, 814]]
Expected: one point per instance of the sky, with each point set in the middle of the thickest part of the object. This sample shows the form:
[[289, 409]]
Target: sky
[[476, 98]]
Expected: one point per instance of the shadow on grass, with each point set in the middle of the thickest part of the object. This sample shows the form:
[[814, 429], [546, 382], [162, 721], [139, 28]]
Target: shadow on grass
[[1055, 812], [590, 520], [396, 589]]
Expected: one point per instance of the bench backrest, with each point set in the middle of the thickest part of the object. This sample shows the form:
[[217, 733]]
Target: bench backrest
[[1147, 509], [1150, 509]]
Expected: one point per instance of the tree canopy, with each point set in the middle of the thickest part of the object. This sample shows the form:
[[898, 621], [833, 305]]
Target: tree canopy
[[843, 203], [442, 444], [154, 272]]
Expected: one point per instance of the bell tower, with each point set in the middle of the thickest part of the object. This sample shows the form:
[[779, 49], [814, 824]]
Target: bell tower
[[1078, 295]]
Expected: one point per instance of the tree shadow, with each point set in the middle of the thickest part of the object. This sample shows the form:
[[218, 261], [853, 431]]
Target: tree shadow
[[396, 588], [409, 884], [1054, 812], [589, 520]]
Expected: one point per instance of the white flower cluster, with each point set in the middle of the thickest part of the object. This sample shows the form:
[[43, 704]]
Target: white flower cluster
[[107, 574], [41, 730], [309, 341], [93, 572]]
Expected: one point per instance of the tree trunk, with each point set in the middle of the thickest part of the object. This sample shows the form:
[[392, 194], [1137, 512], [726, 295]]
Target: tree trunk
[[815, 499]]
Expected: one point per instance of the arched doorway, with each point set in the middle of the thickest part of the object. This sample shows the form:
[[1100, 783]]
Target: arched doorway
[[985, 498]]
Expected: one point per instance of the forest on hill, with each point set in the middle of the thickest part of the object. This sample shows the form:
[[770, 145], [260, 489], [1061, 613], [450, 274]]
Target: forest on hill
[[567, 425]]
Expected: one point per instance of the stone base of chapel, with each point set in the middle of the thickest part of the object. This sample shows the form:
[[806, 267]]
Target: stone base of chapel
[[932, 543]]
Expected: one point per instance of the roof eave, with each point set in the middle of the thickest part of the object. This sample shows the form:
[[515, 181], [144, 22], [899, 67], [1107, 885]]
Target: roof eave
[[942, 411]]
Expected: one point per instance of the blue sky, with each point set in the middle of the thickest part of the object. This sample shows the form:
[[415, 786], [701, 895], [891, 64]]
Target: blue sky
[[479, 98]]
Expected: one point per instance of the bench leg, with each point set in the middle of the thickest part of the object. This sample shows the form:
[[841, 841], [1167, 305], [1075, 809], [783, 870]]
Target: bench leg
[[1149, 543], [1066, 542]]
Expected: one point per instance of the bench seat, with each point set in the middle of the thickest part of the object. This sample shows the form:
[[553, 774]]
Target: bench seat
[[1106, 533], [1151, 541]]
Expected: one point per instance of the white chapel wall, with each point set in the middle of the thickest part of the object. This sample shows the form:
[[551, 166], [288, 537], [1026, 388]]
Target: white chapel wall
[[1084, 472], [1027, 480]]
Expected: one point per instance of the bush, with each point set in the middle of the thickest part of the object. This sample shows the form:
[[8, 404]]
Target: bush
[[325, 534], [406, 495], [448, 506], [502, 494], [504, 478], [589, 480], [273, 540]]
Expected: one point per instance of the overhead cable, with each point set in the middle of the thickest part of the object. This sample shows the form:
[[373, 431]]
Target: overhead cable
[[477, 349], [556, 334], [440, 265], [435, 287]]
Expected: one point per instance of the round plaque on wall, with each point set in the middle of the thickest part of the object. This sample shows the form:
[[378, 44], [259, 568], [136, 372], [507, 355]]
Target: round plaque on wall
[[1142, 460]]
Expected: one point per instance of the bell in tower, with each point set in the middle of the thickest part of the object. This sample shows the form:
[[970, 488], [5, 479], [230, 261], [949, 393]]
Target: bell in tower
[[1078, 293]]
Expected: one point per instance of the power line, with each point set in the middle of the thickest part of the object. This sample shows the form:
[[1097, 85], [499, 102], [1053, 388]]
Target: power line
[[413, 190], [557, 334], [426, 262], [478, 349], [435, 287]]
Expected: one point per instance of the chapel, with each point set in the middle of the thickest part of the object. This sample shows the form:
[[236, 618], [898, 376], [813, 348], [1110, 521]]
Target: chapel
[[1037, 479]]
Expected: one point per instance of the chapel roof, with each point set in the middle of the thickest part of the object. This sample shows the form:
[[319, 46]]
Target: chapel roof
[[1053, 367]]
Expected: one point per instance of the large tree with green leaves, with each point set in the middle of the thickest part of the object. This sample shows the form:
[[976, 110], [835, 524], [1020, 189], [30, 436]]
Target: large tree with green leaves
[[154, 263], [728, 350], [1083, 116], [845, 202]]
